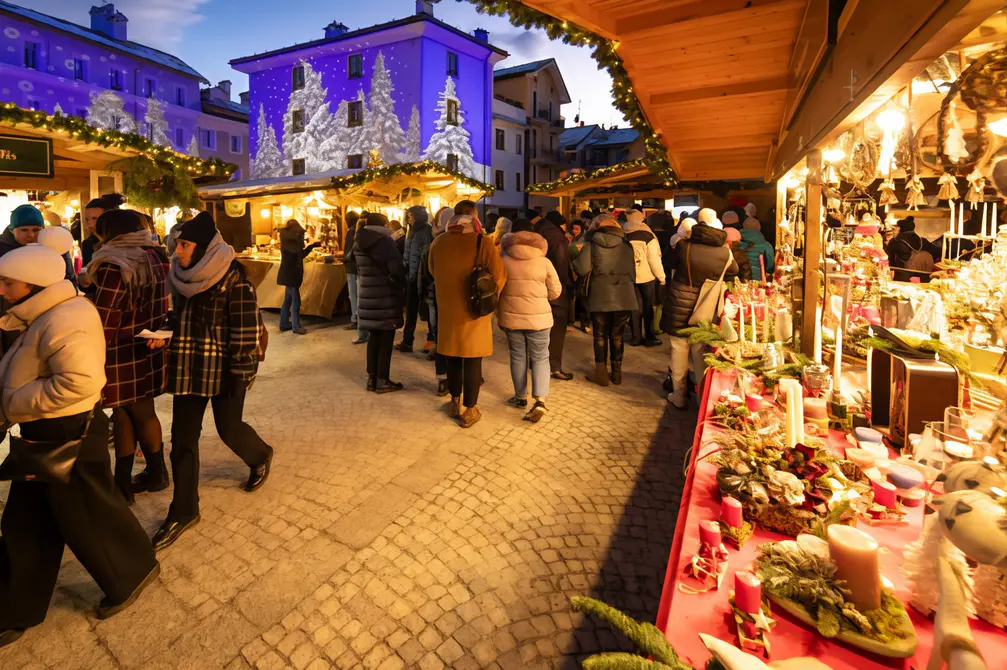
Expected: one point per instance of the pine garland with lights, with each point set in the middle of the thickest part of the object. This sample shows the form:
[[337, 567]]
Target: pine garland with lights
[[152, 184], [604, 52], [407, 170], [78, 128], [586, 175]]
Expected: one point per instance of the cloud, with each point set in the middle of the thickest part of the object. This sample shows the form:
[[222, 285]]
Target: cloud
[[157, 23]]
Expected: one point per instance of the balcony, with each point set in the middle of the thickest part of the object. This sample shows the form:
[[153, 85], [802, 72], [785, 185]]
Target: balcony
[[547, 156]]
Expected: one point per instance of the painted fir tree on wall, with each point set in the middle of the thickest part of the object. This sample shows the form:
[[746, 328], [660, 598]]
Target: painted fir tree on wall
[[414, 148], [388, 137], [363, 136], [306, 123], [106, 112], [157, 127], [340, 142], [268, 161], [451, 139], [193, 148]]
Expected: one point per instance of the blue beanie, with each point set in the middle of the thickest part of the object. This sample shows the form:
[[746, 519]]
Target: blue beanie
[[25, 215]]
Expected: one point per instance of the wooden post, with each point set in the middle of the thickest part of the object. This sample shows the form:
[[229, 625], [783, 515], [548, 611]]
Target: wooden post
[[781, 206], [812, 251]]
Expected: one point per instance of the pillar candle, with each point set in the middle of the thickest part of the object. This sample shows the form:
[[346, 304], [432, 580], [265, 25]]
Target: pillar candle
[[741, 333], [709, 533], [755, 326], [952, 228], [795, 411], [884, 494], [856, 555], [784, 325], [747, 592], [730, 512], [814, 408], [837, 364], [818, 335]]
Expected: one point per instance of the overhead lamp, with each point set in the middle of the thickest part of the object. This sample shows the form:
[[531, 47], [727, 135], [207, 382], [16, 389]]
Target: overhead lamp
[[265, 213], [891, 120], [313, 208], [999, 127], [833, 155]]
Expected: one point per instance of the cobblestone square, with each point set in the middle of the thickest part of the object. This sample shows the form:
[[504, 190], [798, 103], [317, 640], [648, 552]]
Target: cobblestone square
[[387, 537]]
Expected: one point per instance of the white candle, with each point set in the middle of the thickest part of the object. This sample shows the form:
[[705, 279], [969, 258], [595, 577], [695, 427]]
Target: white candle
[[951, 228], [837, 364], [741, 335], [755, 325], [993, 221], [795, 411], [818, 335]]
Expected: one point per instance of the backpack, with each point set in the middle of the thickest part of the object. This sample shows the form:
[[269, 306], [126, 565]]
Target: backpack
[[919, 260], [483, 292]]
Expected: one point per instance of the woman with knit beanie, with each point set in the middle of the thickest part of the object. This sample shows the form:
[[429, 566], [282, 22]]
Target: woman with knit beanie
[[51, 381], [128, 274], [213, 360]]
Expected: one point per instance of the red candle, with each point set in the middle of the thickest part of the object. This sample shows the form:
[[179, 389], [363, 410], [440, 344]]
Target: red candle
[[709, 533], [753, 401], [884, 494], [747, 592], [730, 512]]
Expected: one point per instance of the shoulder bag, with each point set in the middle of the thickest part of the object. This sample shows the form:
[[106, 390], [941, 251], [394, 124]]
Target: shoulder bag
[[711, 294], [482, 286], [42, 461]]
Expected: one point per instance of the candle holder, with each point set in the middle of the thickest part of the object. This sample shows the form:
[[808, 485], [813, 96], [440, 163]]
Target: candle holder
[[708, 565], [838, 415], [817, 379], [753, 628]]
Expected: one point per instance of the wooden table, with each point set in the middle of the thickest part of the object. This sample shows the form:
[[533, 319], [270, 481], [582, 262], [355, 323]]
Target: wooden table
[[320, 291]]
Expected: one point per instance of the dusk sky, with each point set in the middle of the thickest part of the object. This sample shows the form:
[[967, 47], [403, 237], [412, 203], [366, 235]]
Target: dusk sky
[[209, 33]]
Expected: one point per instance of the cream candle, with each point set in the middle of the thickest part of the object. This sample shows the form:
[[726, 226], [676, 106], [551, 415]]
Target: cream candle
[[951, 228], [784, 325], [993, 221], [755, 325], [857, 558], [709, 533], [814, 408], [837, 363], [818, 335], [861, 457], [747, 592], [741, 333], [730, 512], [794, 411]]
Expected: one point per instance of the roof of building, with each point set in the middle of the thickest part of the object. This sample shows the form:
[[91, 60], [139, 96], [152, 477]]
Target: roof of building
[[575, 135], [531, 68], [353, 34], [132, 48], [229, 108], [595, 136]]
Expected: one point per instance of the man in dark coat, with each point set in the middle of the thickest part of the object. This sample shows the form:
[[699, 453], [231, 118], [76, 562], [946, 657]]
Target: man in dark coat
[[551, 228], [704, 255], [417, 245], [381, 278], [909, 254], [291, 275]]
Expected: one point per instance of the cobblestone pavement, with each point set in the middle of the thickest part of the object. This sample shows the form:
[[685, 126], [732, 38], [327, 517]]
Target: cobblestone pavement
[[387, 537]]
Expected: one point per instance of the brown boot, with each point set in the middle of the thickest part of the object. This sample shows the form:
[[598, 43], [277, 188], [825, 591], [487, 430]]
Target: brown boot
[[600, 376], [617, 372], [470, 417], [455, 408]]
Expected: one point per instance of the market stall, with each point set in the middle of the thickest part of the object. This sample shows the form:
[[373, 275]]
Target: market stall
[[250, 215]]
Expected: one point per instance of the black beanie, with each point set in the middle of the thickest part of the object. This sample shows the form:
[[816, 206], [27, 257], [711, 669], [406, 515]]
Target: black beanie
[[555, 217], [199, 230], [115, 222]]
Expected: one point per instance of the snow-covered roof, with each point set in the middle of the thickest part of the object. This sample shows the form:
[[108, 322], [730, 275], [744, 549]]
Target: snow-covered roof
[[132, 48]]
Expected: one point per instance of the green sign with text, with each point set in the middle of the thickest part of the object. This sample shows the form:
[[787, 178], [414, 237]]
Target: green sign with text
[[25, 156]]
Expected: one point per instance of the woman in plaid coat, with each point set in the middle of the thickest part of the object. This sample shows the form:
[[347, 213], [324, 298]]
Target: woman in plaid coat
[[127, 275], [213, 360]]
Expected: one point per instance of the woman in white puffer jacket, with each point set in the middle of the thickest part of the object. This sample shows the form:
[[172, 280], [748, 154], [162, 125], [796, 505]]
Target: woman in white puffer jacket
[[525, 315]]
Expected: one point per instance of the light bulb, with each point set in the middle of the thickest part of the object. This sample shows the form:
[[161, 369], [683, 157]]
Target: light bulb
[[891, 120], [999, 127], [264, 213], [833, 155]]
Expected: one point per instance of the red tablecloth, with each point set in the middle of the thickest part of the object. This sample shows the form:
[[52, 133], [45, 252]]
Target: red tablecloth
[[682, 616]]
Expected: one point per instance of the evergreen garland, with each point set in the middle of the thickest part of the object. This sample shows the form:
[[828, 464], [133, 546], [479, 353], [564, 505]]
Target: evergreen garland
[[78, 128], [646, 636], [605, 53], [578, 177], [387, 172], [151, 184]]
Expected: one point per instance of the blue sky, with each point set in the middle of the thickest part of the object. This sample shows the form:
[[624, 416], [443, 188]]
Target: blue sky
[[208, 33]]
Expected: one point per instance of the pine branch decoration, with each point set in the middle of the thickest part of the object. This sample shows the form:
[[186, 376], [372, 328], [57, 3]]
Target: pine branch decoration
[[646, 636], [621, 661]]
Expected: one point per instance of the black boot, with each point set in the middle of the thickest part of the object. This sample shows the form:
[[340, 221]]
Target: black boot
[[123, 476], [388, 386], [372, 383], [155, 476], [617, 372]]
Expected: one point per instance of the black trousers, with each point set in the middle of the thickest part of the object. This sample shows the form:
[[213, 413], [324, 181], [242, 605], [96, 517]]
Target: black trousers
[[88, 514], [646, 297], [607, 329], [186, 426], [413, 299], [557, 336], [465, 376], [379, 353]]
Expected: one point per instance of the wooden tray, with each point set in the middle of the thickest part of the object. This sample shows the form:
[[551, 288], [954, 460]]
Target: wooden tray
[[902, 648]]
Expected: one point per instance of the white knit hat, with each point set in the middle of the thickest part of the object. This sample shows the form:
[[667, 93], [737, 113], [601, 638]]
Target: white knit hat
[[33, 264], [56, 238], [750, 209], [729, 218], [707, 216]]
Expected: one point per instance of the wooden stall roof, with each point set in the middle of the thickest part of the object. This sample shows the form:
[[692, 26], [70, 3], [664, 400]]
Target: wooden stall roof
[[742, 89]]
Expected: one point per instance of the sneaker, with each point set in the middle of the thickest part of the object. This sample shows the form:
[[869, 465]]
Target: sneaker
[[536, 413], [388, 386], [470, 417], [442, 388], [517, 402], [404, 348], [285, 330], [455, 408], [360, 340], [301, 331]]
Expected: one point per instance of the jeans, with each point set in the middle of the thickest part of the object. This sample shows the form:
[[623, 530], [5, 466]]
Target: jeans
[[646, 296], [535, 343], [557, 338], [608, 329], [187, 425], [351, 286], [379, 353], [290, 311], [465, 376], [684, 355], [413, 299]]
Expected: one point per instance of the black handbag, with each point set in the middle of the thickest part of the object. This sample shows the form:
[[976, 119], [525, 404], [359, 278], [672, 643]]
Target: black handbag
[[42, 461], [482, 286]]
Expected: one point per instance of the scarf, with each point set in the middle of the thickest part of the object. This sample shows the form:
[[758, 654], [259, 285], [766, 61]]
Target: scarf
[[464, 224], [128, 253], [210, 269]]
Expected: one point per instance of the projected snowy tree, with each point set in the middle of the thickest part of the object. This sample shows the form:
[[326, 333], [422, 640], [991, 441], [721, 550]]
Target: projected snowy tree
[[413, 150], [451, 138], [157, 127], [307, 123], [388, 136], [268, 161], [106, 112]]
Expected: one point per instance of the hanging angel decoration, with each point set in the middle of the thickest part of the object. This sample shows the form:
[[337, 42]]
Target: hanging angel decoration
[[886, 193], [977, 184], [914, 193], [949, 187], [954, 143]]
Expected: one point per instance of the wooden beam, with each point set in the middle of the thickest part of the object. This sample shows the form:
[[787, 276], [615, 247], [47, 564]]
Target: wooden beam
[[701, 9], [577, 12], [812, 252], [731, 90], [726, 142]]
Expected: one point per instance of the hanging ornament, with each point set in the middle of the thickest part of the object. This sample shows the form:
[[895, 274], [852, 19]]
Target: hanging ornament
[[886, 195], [954, 144], [977, 184], [949, 187], [914, 193]]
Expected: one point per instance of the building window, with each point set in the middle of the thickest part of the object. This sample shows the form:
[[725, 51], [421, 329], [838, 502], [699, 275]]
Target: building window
[[355, 66], [208, 138], [149, 88], [453, 162], [179, 137], [297, 121], [180, 96], [115, 79], [298, 77], [452, 112], [79, 69], [355, 161], [500, 180], [235, 144], [452, 64], [298, 166], [355, 114], [31, 55], [517, 181], [519, 144], [501, 139]]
